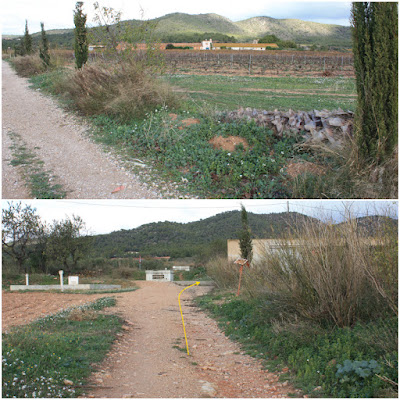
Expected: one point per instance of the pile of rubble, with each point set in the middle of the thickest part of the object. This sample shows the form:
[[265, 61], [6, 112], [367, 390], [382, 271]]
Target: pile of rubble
[[332, 127]]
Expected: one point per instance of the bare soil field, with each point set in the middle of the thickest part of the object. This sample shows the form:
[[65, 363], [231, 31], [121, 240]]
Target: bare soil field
[[23, 308], [149, 358]]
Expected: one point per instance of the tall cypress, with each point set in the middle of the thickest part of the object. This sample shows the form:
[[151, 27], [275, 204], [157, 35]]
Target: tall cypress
[[245, 243], [375, 33], [81, 44], [27, 41], [44, 48]]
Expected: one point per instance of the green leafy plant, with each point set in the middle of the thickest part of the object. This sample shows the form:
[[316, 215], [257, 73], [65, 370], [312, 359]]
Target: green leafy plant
[[354, 371]]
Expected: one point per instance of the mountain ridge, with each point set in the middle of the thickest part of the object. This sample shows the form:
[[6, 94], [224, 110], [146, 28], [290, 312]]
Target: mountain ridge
[[302, 32], [184, 239]]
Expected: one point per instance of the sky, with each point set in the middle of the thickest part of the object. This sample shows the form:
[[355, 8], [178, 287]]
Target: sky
[[104, 216], [58, 14]]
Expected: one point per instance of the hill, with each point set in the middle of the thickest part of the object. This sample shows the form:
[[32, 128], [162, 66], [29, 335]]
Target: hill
[[210, 234], [181, 27], [304, 32], [182, 240]]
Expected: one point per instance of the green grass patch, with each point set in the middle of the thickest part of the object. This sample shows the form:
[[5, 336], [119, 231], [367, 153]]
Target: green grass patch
[[43, 358], [41, 182], [195, 274], [185, 155], [283, 93], [181, 162], [340, 362]]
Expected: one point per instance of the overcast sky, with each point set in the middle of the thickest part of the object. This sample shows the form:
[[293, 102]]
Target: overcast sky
[[104, 216], [57, 14]]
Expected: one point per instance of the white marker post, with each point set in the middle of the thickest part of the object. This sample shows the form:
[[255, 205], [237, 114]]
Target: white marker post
[[61, 272], [27, 279]]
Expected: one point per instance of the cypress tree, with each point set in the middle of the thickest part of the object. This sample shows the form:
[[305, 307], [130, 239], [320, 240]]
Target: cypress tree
[[81, 44], [27, 41], [44, 49], [245, 243], [375, 33]]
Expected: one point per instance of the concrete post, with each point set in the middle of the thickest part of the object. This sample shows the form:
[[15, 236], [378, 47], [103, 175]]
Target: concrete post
[[27, 279], [61, 272]]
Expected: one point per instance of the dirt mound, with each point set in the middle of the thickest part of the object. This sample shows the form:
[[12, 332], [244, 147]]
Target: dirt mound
[[189, 121], [228, 143], [297, 168]]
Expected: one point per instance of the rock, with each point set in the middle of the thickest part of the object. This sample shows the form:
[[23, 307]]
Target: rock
[[322, 114], [68, 382], [311, 125], [336, 121], [208, 389], [208, 368]]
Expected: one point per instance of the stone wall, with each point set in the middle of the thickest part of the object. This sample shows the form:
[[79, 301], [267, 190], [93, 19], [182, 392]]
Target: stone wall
[[332, 127]]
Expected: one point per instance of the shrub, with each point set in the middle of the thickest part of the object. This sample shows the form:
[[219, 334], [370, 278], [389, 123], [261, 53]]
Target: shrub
[[126, 90], [224, 273], [330, 273], [128, 273], [27, 66]]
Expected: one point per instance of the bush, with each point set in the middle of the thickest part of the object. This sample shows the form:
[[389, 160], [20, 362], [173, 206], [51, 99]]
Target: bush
[[331, 273], [224, 273], [27, 66], [128, 273], [325, 362], [126, 90]]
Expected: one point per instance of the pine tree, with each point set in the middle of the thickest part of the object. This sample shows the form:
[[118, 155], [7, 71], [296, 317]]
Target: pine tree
[[375, 48], [246, 246], [81, 44], [27, 41], [44, 49]]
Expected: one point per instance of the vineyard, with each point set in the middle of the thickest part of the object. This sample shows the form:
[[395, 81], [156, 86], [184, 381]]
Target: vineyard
[[260, 63]]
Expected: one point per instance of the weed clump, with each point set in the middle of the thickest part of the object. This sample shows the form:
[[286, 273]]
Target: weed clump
[[27, 66], [126, 90]]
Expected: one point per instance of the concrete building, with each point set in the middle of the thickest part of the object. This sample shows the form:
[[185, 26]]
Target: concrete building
[[206, 45], [262, 246]]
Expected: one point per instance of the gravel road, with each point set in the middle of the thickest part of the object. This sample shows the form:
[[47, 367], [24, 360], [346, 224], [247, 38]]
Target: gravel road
[[58, 139], [150, 361], [149, 358]]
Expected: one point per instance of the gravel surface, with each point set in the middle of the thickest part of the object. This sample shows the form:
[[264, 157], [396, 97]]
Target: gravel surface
[[145, 361], [149, 358], [59, 140]]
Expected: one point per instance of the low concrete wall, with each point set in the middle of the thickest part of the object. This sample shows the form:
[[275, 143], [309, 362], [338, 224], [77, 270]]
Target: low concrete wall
[[181, 268], [65, 287], [160, 276], [188, 283]]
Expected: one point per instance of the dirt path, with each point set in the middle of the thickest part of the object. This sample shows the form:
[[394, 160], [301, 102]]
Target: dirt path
[[145, 361], [149, 358], [58, 140]]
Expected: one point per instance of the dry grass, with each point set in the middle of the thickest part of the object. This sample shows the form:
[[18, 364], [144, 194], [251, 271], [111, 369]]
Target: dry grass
[[125, 89], [28, 66], [349, 176], [329, 273], [79, 314], [224, 273]]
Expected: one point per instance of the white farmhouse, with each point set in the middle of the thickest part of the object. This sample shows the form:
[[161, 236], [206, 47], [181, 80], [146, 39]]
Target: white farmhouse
[[206, 45]]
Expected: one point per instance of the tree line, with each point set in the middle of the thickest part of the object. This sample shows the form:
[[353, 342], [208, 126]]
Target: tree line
[[35, 246]]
